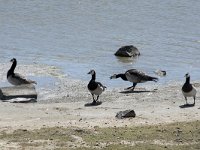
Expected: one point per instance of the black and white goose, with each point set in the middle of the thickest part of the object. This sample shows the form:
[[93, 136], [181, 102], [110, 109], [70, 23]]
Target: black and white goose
[[15, 78], [134, 76], [188, 90], [95, 88]]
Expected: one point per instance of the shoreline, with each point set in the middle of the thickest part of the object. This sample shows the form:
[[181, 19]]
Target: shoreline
[[63, 105]]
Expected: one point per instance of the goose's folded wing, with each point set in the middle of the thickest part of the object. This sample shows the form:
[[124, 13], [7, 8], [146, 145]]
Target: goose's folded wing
[[22, 79], [139, 75], [99, 83], [136, 73]]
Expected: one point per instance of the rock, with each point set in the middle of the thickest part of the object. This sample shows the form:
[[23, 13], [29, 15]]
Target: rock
[[160, 73], [127, 51], [21, 91], [125, 114]]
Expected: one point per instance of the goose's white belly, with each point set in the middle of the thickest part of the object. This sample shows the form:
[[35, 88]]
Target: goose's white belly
[[190, 94], [97, 91]]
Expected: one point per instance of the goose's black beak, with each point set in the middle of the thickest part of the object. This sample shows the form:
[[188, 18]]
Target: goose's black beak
[[113, 76]]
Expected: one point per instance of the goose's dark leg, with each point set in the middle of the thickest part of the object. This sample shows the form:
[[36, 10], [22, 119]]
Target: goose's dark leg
[[128, 88], [186, 100], [94, 101], [131, 87], [97, 97], [134, 84], [194, 100]]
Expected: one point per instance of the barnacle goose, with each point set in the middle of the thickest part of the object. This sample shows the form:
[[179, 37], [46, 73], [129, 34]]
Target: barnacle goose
[[95, 88], [188, 90], [15, 78], [134, 76]]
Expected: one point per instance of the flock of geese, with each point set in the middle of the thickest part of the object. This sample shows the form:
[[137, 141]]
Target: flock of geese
[[96, 88]]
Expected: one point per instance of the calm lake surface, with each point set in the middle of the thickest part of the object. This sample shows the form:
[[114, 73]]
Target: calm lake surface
[[79, 35]]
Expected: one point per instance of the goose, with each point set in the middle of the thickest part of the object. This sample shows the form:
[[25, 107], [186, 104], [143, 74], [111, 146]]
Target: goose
[[15, 78], [188, 90], [95, 88], [134, 76]]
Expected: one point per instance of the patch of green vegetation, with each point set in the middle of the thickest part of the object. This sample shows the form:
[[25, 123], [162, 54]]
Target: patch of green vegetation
[[177, 133], [151, 147], [37, 137], [176, 136], [23, 135]]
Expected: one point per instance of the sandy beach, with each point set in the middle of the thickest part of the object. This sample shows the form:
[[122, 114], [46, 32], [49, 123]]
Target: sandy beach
[[160, 106], [64, 105]]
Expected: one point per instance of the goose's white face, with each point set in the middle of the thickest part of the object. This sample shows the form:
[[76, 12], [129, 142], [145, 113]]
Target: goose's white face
[[91, 72], [187, 75], [114, 76]]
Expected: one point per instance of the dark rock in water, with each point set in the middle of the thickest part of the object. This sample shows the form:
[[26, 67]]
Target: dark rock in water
[[125, 114], [20, 91], [127, 51]]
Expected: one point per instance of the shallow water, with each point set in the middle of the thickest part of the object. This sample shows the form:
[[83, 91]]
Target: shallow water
[[81, 35]]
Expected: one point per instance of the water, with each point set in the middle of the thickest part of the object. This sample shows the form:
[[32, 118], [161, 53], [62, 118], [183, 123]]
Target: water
[[82, 35]]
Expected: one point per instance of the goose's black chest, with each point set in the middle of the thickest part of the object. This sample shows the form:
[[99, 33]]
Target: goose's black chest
[[92, 85], [187, 87]]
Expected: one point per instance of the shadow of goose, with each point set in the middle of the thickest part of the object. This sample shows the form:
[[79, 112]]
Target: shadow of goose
[[93, 104], [127, 92], [187, 105]]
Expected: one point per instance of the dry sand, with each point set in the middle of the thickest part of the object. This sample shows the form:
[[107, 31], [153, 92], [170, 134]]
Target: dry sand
[[62, 104]]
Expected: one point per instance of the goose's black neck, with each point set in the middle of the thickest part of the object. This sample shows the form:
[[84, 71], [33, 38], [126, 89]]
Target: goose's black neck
[[94, 77], [12, 68], [187, 80], [123, 76]]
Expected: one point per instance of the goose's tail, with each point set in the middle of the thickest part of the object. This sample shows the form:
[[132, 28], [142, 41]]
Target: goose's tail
[[32, 82], [153, 79], [104, 87]]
